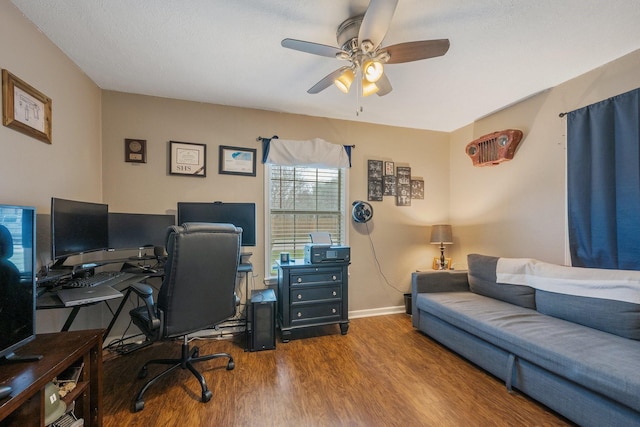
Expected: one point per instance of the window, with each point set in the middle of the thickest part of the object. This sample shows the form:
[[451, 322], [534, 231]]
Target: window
[[302, 200]]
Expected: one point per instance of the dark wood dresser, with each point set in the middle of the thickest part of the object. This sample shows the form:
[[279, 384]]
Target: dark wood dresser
[[312, 295]]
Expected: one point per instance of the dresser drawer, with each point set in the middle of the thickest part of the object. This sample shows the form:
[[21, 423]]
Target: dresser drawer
[[301, 295], [314, 313], [312, 277]]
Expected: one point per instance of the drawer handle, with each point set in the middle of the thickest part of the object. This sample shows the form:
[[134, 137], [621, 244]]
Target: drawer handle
[[299, 296], [334, 293], [299, 279], [299, 314], [333, 310]]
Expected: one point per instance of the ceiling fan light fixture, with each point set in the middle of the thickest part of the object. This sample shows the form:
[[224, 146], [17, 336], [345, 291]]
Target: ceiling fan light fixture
[[343, 82], [372, 70], [369, 88]]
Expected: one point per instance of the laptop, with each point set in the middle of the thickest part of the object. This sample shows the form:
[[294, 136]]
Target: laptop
[[81, 296]]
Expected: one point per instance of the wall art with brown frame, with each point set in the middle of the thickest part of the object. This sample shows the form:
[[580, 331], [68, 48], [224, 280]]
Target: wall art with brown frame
[[25, 109]]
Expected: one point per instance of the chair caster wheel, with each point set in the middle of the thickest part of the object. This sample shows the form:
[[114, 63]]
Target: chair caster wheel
[[143, 373], [206, 396], [231, 365], [138, 406]]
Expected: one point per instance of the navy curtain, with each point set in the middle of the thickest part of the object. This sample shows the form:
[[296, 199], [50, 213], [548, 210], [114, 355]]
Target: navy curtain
[[603, 183]]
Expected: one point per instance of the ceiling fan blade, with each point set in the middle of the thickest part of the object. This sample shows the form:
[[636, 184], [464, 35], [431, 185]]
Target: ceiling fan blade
[[326, 81], [384, 85], [376, 22], [415, 51], [309, 47]]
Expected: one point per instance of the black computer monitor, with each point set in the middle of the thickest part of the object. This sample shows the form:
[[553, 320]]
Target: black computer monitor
[[135, 231], [17, 278], [77, 227], [241, 215]]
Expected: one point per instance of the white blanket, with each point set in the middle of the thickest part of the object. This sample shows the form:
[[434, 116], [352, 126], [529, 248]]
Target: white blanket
[[619, 285]]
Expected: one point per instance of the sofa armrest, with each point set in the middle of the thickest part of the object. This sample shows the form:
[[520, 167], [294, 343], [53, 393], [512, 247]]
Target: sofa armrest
[[435, 281]]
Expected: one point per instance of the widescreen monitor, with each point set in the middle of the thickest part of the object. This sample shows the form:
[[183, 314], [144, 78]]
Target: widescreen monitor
[[78, 227], [135, 231], [17, 277], [241, 215]]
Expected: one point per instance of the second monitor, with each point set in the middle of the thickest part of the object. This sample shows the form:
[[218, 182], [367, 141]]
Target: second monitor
[[241, 215], [135, 231]]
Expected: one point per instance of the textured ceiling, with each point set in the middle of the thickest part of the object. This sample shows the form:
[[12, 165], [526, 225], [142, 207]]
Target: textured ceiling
[[228, 52]]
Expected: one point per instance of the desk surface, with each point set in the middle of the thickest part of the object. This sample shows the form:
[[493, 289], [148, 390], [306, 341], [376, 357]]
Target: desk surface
[[49, 298]]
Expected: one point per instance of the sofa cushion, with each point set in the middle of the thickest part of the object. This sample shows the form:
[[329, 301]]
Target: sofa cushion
[[599, 361], [482, 280], [616, 317]]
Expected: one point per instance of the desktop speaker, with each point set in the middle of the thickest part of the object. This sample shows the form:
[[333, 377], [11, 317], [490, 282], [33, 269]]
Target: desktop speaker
[[261, 325]]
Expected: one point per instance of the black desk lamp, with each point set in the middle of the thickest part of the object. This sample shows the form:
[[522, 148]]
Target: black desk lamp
[[441, 235]]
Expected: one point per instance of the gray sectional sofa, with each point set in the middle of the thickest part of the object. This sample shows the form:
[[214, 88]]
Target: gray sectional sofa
[[568, 337]]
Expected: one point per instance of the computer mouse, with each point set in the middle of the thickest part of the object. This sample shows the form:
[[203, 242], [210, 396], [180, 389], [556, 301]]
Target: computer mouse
[[5, 391]]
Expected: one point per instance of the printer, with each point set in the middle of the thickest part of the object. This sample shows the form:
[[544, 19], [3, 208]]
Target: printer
[[320, 253]]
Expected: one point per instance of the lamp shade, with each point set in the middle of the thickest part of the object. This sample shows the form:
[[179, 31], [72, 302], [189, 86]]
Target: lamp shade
[[372, 70], [441, 234], [343, 82], [369, 88]]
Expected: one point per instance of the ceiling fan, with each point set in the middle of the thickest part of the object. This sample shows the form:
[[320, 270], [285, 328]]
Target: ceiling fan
[[359, 39]]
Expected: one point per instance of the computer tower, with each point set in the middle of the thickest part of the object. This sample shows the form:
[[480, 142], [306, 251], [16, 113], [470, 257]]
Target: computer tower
[[261, 325]]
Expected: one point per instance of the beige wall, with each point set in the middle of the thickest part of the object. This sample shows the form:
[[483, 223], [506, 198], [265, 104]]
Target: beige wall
[[31, 172], [517, 209], [398, 233]]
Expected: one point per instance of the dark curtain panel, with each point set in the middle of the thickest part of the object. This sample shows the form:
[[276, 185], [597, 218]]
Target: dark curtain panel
[[603, 183]]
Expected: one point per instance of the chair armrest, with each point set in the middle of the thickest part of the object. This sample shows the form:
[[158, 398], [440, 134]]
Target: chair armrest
[[439, 281], [435, 281], [145, 292]]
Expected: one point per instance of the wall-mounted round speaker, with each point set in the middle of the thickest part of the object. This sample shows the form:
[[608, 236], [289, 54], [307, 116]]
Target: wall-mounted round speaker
[[362, 211]]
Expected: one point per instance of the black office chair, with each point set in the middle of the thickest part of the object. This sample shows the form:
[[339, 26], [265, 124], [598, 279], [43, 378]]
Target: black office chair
[[198, 292]]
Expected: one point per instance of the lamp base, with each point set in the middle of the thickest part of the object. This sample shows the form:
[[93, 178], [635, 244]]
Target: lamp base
[[443, 261]]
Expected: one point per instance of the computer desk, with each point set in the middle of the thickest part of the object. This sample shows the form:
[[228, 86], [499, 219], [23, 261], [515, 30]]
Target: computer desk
[[49, 300]]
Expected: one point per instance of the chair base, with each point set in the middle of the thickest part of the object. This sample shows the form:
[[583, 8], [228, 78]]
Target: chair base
[[189, 357]]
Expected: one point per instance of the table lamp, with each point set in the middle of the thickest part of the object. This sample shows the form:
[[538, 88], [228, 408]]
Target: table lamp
[[441, 235]]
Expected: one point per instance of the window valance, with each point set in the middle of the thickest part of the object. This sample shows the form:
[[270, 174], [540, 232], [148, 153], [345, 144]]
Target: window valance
[[314, 153]]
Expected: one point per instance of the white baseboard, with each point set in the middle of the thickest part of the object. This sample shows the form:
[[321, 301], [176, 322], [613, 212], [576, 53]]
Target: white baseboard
[[377, 312], [217, 333]]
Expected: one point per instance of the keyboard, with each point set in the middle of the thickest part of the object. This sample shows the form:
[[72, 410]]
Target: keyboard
[[100, 278]]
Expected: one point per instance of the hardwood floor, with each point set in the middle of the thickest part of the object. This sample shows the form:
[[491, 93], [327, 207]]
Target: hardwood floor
[[382, 373]]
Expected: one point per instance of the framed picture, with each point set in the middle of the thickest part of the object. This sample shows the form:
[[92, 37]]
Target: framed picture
[[389, 168], [403, 186], [375, 169], [436, 263], [135, 150], [417, 189], [389, 185], [187, 158], [25, 109], [237, 161]]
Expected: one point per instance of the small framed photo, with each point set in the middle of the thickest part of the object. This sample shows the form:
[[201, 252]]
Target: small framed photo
[[389, 185], [25, 109], [237, 161], [436, 263], [375, 169], [417, 189], [135, 150], [389, 168], [187, 158]]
